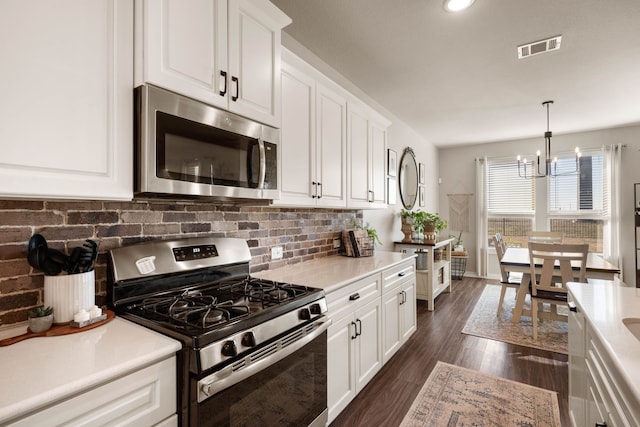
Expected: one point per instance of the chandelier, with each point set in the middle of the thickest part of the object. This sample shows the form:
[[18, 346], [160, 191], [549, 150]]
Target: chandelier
[[546, 166]]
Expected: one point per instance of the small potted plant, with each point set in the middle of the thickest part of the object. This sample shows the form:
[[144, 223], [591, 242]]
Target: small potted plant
[[407, 224], [373, 234], [40, 319], [457, 242], [433, 225]]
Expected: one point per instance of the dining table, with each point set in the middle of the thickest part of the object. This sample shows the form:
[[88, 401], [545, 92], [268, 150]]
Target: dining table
[[516, 259]]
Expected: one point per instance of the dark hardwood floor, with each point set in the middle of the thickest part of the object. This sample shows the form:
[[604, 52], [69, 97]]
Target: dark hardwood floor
[[387, 398]]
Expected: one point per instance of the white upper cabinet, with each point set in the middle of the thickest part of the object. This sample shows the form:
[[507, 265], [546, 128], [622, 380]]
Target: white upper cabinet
[[331, 147], [67, 99], [223, 52], [313, 140], [367, 142]]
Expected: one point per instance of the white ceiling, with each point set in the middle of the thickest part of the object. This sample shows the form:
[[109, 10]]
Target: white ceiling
[[456, 79]]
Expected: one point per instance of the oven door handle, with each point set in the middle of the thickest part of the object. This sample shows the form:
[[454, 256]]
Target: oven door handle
[[227, 376]]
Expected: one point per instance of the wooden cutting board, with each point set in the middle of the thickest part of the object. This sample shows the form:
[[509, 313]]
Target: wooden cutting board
[[56, 331]]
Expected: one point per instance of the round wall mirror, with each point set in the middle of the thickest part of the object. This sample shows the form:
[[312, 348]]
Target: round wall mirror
[[408, 178]]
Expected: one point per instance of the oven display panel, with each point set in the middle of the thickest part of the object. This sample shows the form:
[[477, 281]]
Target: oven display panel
[[189, 253]]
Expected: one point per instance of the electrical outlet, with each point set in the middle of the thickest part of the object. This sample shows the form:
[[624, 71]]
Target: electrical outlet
[[336, 243], [276, 252]]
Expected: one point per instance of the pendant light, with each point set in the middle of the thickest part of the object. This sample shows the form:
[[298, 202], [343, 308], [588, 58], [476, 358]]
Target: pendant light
[[546, 166]]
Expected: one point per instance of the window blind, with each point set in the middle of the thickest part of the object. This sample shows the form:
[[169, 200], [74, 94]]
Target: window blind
[[507, 193]]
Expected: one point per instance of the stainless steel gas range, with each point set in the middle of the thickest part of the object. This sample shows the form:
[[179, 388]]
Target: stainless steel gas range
[[254, 351]]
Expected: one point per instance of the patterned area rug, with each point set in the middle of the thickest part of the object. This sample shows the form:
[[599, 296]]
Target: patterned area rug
[[455, 396], [552, 335]]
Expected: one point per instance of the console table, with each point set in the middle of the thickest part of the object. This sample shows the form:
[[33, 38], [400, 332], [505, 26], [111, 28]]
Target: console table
[[433, 276]]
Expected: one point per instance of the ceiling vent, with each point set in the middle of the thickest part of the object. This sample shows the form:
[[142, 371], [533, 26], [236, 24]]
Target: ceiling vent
[[541, 46]]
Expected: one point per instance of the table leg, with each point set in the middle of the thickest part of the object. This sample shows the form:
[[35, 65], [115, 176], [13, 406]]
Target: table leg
[[523, 290]]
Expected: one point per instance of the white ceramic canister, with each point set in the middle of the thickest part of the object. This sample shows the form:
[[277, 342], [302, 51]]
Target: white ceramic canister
[[68, 294]]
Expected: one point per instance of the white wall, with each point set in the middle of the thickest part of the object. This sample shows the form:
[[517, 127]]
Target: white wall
[[457, 170], [400, 136]]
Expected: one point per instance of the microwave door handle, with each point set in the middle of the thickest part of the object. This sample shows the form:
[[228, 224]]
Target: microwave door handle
[[263, 163]]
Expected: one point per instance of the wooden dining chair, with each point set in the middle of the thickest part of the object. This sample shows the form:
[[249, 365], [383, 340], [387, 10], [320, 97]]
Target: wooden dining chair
[[545, 236], [561, 263], [508, 279]]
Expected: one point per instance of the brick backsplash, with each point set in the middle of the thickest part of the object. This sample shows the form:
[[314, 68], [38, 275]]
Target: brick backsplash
[[304, 234]]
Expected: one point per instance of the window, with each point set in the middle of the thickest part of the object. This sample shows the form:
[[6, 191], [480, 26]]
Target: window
[[510, 202], [576, 204]]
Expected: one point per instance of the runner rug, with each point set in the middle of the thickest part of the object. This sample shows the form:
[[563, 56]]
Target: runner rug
[[552, 335], [455, 397]]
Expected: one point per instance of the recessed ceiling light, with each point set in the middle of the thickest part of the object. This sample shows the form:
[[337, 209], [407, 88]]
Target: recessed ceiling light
[[457, 5]]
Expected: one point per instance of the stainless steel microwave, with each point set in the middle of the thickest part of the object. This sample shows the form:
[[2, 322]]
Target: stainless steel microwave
[[187, 148]]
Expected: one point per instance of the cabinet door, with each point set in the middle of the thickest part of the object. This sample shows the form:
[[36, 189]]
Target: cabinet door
[[391, 330], [341, 375], [254, 59], [369, 342], [297, 138], [378, 148], [185, 48], [331, 113], [408, 319], [67, 99], [359, 182]]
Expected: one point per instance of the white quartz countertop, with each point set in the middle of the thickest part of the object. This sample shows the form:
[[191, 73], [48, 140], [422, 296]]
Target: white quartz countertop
[[604, 306], [39, 371], [332, 273]]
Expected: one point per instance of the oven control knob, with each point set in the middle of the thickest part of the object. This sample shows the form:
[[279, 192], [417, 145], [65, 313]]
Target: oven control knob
[[305, 314], [229, 348], [316, 309], [248, 340]]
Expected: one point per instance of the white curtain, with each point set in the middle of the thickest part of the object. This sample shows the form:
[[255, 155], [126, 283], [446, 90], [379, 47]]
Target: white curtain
[[613, 161], [481, 216]]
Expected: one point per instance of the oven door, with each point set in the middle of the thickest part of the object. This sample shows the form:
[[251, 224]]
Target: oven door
[[281, 384]]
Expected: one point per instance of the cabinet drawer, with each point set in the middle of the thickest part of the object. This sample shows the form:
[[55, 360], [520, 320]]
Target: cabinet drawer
[[145, 397], [354, 295], [606, 389], [394, 276]]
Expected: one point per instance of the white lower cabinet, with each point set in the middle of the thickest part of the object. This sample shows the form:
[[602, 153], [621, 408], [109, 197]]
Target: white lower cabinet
[[597, 395], [367, 328], [353, 341], [145, 397], [398, 307]]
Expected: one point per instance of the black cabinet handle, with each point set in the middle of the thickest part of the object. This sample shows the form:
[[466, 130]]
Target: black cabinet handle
[[401, 297], [572, 306], [402, 273], [354, 297], [355, 331], [359, 331], [320, 187], [602, 424], [237, 82], [223, 92], [315, 189]]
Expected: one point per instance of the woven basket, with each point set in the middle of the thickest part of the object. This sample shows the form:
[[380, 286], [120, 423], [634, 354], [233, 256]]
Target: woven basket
[[357, 243]]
